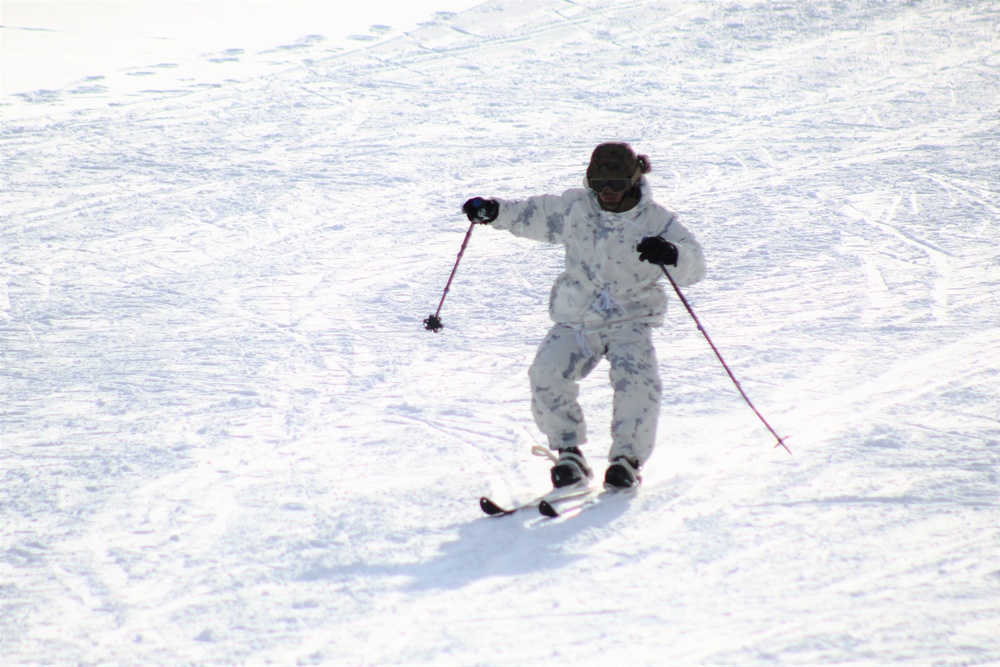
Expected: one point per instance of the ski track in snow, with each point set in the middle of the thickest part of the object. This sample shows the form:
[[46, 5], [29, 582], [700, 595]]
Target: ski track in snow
[[227, 438]]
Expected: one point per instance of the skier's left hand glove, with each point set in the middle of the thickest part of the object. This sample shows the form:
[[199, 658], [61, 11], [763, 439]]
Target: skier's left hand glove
[[481, 210], [656, 250]]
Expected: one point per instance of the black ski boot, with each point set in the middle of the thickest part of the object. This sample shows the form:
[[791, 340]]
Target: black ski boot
[[623, 473], [571, 468]]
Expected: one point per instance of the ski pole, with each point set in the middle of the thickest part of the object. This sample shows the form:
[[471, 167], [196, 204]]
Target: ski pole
[[680, 295], [433, 322]]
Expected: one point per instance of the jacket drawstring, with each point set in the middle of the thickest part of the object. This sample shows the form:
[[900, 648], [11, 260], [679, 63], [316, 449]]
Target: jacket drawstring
[[606, 302], [581, 340]]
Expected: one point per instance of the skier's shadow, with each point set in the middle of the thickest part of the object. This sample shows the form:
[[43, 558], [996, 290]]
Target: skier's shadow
[[505, 546], [508, 546]]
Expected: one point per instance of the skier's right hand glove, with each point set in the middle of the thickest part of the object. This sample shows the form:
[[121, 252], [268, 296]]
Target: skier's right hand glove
[[483, 211]]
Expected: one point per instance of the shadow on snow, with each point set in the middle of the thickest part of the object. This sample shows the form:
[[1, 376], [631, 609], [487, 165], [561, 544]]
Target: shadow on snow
[[487, 547]]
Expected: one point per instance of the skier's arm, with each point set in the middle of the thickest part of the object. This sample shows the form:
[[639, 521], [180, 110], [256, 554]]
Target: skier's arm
[[540, 218]]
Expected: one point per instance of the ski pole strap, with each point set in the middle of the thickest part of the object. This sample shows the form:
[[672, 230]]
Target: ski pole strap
[[680, 295]]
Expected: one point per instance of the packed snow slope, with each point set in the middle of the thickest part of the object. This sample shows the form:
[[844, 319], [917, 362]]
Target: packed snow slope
[[227, 437]]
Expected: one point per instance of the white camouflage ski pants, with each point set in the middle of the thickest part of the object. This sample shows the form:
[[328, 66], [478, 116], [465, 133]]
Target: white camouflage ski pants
[[566, 356]]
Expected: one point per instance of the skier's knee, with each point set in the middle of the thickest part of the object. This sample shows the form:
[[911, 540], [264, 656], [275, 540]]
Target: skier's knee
[[541, 373]]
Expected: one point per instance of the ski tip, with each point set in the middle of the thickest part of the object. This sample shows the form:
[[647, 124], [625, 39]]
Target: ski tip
[[491, 507], [546, 508]]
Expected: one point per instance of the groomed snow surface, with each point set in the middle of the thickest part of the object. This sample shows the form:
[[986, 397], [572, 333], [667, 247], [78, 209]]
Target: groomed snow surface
[[227, 438]]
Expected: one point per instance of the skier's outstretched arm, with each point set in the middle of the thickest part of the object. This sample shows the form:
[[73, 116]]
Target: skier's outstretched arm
[[540, 218]]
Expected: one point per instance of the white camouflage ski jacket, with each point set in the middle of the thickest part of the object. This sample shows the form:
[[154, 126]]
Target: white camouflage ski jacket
[[604, 286]]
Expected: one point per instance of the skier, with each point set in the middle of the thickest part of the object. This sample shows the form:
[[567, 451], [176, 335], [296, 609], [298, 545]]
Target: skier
[[604, 304]]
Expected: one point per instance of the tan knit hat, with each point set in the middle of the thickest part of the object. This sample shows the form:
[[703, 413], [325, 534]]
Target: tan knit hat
[[616, 159]]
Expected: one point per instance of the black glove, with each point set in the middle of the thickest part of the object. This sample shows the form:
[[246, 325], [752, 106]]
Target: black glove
[[656, 250], [481, 210]]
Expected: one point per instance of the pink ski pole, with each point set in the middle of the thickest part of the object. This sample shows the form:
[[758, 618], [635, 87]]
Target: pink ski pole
[[680, 295], [433, 322]]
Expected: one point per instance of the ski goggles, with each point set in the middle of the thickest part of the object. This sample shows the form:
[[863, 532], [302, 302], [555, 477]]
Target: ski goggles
[[613, 184]]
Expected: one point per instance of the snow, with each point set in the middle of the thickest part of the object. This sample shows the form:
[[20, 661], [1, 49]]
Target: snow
[[227, 438], [111, 48]]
